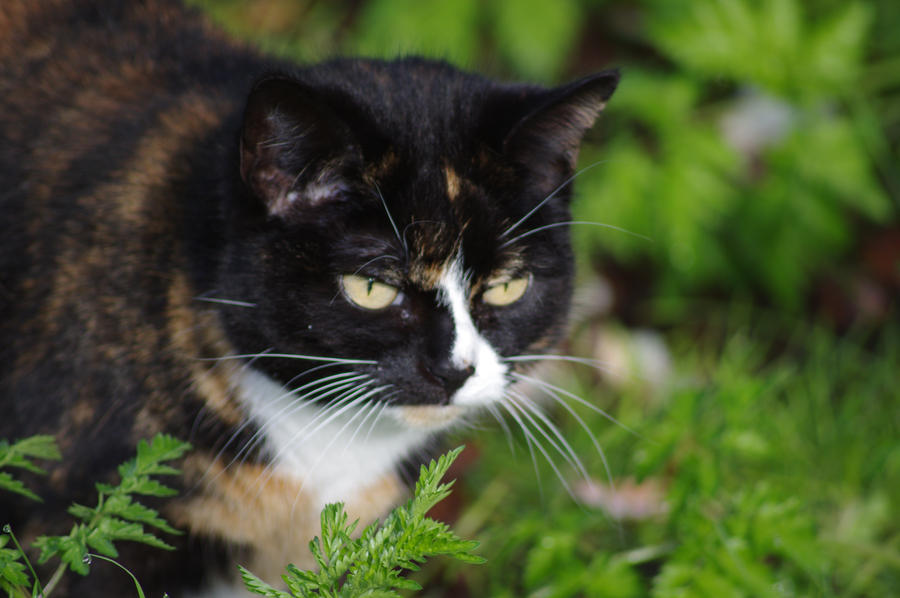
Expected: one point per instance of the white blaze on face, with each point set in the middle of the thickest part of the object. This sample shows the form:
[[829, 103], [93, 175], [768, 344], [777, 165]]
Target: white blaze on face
[[470, 349]]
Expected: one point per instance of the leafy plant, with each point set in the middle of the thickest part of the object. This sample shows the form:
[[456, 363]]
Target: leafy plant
[[20, 455], [774, 452], [117, 515], [372, 564]]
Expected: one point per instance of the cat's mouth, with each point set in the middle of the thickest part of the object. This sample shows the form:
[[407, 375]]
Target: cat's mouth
[[429, 416]]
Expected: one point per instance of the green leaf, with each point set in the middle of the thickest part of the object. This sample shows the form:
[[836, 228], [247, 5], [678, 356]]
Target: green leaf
[[126, 508], [258, 586], [10, 484], [81, 512], [18, 455], [100, 542]]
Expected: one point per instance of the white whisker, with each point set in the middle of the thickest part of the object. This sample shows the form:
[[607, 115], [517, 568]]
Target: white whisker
[[297, 402], [569, 453], [529, 442], [513, 408], [594, 363], [570, 222], [385, 402], [345, 401], [300, 402], [591, 406], [356, 402], [288, 356], [372, 408], [562, 447], [391, 218], [548, 198], [583, 425], [492, 409], [332, 411], [234, 302]]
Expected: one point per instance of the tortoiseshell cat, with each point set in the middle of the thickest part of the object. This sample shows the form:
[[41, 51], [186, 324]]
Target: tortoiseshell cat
[[308, 272]]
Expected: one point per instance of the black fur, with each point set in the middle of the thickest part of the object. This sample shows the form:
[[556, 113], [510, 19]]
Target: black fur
[[277, 179]]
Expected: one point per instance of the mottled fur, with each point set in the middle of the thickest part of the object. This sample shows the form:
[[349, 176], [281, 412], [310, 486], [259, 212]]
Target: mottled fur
[[137, 179]]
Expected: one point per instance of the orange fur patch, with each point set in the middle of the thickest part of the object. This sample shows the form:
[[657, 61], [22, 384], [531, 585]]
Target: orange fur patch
[[272, 515]]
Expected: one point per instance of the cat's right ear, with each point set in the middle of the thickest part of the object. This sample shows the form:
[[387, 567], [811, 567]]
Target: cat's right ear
[[295, 151]]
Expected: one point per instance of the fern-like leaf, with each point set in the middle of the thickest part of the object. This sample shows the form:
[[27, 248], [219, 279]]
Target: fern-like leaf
[[20, 455], [372, 564], [117, 515]]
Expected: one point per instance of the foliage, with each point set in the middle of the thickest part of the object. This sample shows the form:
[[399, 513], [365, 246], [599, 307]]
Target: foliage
[[750, 173], [776, 476], [372, 564], [117, 515], [20, 455]]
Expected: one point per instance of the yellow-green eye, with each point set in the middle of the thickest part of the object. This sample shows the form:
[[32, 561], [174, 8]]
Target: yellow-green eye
[[506, 292], [367, 292]]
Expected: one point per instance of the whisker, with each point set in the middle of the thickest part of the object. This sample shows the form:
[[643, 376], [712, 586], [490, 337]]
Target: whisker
[[530, 445], [548, 198], [416, 222], [234, 302], [570, 222], [512, 407], [372, 408], [492, 409], [576, 398], [393, 224], [595, 363], [375, 259], [299, 402], [587, 430], [525, 405], [328, 414], [336, 435], [288, 356], [385, 402], [230, 388]]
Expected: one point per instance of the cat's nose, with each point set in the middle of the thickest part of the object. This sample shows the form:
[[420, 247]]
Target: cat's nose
[[449, 375]]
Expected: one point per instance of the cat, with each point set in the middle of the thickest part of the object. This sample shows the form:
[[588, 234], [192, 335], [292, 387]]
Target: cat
[[307, 271]]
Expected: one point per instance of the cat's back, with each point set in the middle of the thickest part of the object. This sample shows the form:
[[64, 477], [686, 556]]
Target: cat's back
[[81, 72], [100, 103]]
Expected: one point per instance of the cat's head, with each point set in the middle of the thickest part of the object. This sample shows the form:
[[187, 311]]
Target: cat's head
[[409, 218]]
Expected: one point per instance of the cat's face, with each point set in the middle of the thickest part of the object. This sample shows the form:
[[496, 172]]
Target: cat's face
[[414, 230]]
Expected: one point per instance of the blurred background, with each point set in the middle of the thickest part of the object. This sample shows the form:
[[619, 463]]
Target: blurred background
[[737, 321]]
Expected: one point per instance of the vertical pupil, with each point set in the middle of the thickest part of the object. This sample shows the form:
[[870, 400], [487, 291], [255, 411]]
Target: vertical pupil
[[369, 284]]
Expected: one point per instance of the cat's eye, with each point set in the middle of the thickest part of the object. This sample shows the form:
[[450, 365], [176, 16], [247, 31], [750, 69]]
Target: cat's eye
[[506, 292], [367, 292]]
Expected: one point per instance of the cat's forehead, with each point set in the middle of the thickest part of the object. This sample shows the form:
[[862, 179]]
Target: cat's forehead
[[438, 218]]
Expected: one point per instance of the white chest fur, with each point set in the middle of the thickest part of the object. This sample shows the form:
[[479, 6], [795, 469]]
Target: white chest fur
[[334, 453]]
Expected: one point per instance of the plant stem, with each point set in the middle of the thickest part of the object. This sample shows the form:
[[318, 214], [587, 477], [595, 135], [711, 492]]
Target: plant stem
[[24, 556], [137, 586], [54, 580]]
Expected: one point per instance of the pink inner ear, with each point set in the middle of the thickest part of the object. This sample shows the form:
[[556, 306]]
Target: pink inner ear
[[311, 195], [316, 194]]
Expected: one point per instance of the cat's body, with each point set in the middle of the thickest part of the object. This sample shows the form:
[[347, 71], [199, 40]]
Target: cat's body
[[157, 224]]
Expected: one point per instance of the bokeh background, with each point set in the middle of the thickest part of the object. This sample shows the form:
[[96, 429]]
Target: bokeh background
[[737, 320]]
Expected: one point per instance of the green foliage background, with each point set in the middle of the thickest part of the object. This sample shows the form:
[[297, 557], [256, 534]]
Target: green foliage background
[[756, 143]]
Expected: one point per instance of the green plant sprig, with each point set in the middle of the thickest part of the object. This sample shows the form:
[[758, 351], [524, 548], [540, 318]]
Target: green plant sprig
[[117, 515], [372, 565], [20, 455]]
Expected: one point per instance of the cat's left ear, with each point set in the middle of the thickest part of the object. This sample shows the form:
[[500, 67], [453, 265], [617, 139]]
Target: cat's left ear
[[295, 150], [550, 135]]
